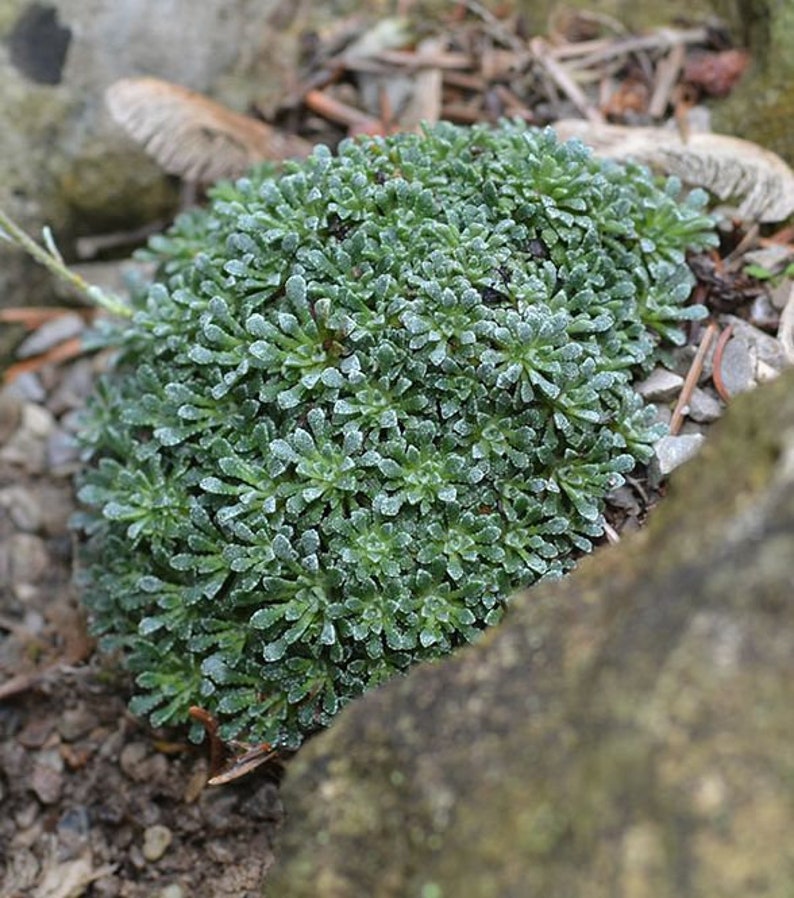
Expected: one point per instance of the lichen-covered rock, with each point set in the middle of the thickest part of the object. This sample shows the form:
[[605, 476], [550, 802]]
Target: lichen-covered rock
[[65, 163], [627, 731]]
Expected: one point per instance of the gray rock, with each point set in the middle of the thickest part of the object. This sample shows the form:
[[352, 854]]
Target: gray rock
[[65, 163], [763, 313], [73, 831], [704, 407], [174, 890], [626, 730], [751, 356], [140, 765], [773, 256], [156, 840], [26, 447], [76, 722], [50, 334], [57, 505], [27, 388], [46, 780], [671, 452], [73, 386], [780, 293], [37, 421], [661, 385], [63, 453], [28, 559], [785, 331], [737, 368], [23, 507]]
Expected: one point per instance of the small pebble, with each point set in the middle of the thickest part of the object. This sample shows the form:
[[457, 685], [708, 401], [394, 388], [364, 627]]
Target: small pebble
[[263, 803], [26, 451], [131, 757], [23, 507], [76, 722], [57, 507], [785, 331], [141, 765], [37, 420], [35, 732], [26, 446], [27, 838], [136, 858], [704, 407], [661, 385], [26, 815], [63, 453], [50, 334], [671, 452], [29, 559], [197, 781], [625, 498], [75, 386], [27, 387], [219, 853], [773, 257], [762, 312], [737, 366], [156, 840], [106, 887], [171, 891], [46, 780], [217, 808], [73, 831], [762, 347], [780, 294]]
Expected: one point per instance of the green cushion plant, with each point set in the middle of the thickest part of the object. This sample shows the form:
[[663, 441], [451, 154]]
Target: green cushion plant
[[368, 399]]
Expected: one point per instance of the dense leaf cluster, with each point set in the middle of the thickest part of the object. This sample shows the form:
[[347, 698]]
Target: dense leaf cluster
[[369, 398]]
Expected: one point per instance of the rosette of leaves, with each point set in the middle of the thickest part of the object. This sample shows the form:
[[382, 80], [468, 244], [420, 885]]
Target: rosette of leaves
[[369, 398]]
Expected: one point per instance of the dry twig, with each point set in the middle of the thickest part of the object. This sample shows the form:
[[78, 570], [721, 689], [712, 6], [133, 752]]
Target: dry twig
[[561, 77], [692, 378]]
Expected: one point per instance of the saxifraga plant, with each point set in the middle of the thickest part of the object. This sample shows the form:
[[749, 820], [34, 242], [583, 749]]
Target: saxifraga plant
[[370, 398]]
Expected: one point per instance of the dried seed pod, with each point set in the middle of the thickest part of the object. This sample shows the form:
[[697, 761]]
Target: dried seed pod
[[192, 136], [757, 180]]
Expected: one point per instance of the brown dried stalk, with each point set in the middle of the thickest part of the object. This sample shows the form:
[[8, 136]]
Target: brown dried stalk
[[692, 377]]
